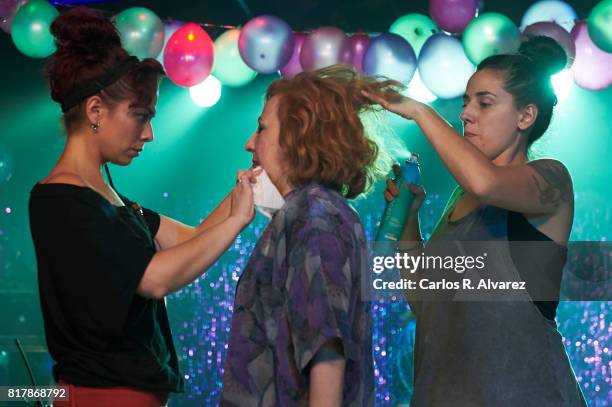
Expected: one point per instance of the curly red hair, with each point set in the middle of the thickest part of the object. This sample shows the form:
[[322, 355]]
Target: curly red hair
[[322, 136]]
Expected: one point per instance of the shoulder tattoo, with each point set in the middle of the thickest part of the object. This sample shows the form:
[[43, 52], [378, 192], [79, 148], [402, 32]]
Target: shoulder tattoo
[[556, 187]]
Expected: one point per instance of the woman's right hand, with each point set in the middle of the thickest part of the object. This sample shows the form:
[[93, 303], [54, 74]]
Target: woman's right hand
[[417, 191], [242, 205]]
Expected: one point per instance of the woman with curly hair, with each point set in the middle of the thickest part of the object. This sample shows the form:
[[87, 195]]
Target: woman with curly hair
[[104, 263], [301, 331]]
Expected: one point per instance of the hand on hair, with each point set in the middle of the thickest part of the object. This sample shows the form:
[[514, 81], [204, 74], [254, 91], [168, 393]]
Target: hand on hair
[[401, 105]]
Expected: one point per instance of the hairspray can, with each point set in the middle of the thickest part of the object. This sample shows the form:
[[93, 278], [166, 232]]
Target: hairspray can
[[397, 211]]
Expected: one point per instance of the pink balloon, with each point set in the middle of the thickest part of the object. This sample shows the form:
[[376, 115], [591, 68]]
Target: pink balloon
[[323, 47], [359, 43], [189, 55], [294, 67], [453, 15], [592, 67], [557, 33]]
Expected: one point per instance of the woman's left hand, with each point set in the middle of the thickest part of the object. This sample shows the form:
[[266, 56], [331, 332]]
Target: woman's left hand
[[401, 105]]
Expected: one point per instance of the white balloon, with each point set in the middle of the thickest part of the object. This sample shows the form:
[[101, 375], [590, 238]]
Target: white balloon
[[556, 11], [443, 66], [206, 93]]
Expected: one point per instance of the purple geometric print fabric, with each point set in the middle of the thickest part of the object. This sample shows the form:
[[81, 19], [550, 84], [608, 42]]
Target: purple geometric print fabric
[[300, 289]]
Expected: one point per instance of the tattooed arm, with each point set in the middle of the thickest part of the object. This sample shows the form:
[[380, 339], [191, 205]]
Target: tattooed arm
[[539, 187]]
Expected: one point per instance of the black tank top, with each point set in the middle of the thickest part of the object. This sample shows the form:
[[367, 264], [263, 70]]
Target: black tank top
[[531, 262]]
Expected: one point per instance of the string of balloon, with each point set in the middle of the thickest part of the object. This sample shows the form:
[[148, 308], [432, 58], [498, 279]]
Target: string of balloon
[[448, 43]]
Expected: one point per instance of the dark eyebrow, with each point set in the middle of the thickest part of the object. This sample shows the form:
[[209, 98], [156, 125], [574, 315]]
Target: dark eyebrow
[[149, 111], [481, 93]]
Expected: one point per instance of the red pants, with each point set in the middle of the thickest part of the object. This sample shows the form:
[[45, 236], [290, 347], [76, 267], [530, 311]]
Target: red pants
[[80, 396]]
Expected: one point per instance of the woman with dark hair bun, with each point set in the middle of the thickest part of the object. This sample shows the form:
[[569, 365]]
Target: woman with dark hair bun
[[104, 263], [503, 351]]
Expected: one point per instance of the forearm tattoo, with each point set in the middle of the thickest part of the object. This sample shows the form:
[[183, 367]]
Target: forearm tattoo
[[557, 186]]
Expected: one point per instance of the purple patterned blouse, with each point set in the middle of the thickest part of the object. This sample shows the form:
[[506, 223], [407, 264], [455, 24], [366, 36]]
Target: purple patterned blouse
[[301, 288]]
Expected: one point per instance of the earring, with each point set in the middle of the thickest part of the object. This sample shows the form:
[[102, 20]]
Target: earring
[[95, 126]]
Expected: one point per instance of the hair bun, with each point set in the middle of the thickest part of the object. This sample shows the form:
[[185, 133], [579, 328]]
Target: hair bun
[[84, 30], [548, 56]]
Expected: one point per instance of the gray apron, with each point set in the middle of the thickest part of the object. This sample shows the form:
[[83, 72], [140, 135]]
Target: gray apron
[[488, 353]]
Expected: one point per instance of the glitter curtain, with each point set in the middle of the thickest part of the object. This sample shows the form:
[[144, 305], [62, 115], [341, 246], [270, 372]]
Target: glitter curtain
[[201, 317]]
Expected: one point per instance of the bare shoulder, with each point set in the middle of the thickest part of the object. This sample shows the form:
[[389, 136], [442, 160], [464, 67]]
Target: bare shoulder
[[553, 181], [64, 178]]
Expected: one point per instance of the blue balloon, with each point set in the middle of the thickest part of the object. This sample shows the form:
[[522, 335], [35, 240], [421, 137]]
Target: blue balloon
[[443, 66], [266, 44], [391, 56]]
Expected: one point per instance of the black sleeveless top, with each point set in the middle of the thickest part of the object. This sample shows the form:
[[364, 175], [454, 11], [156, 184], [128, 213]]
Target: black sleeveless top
[[531, 262]]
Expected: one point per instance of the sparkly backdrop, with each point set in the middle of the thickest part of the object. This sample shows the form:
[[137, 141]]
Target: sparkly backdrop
[[201, 315]]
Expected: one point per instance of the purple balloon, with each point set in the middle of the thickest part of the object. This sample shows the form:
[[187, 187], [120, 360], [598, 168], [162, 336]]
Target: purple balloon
[[323, 47], [294, 67], [359, 43], [453, 15], [266, 43], [391, 56], [8, 9], [592, 67], [557, 33]]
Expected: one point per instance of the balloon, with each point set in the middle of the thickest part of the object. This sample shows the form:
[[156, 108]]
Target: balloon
[[206, 93], [169, 29], [557, 33], [358, 44], [391, 56], [6, 165], [266, 43], [556, 11], [8, 9], [323, 47], [453, 15], [293, 67], [600, 25], [490, 34], [592, 67], [30, 29], [414, 28], [189, 55], [229, 67], [443, 66], [142, 32]]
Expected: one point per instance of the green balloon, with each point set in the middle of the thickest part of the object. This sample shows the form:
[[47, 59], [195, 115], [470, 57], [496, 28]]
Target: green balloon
[[600, 25], [142, 32], [414, 28], [30, 31], [229, 67], [490, 34]]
